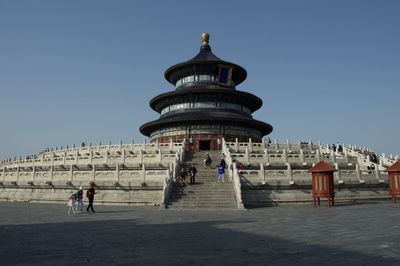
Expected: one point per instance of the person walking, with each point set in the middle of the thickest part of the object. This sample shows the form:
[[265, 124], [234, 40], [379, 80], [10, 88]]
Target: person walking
[[71, 203], [191, 143], [182, 176], [79, 198], [221, 173], [90, 195]]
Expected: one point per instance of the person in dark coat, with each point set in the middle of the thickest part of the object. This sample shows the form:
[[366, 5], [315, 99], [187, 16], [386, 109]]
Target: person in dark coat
[[90, 195], [193, 172]]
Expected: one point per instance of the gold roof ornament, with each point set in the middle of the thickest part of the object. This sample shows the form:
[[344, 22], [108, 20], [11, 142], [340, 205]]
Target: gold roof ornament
[[205, 37]]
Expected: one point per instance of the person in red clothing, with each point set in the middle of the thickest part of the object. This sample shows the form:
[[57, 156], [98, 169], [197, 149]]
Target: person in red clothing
[[90, 195]]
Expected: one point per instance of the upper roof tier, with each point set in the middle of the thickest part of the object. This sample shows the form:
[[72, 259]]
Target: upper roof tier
[[207, 64]]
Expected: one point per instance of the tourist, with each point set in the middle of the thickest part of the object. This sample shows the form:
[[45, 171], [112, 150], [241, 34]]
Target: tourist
[[79, 198], [71, 203], [207, 161], [223, 156], [221, 173], [222, 162], [193, 172], [182, 177], [191, 143], [219, 143], [90, 195]]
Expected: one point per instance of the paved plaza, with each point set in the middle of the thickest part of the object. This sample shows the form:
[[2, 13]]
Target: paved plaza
[[44, 234]]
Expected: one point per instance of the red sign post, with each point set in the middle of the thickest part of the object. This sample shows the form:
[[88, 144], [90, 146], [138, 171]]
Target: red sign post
[[322, 183], [394, 180]]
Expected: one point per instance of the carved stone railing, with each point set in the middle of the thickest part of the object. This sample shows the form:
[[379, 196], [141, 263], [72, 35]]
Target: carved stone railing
[[167, 186], [238, 187], [233, 175]]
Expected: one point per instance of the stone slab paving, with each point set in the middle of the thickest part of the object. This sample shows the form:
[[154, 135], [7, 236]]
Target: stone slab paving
[[44, 234]]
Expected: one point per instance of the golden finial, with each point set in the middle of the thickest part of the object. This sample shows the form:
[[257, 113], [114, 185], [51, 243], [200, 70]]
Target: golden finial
[[205, 37]]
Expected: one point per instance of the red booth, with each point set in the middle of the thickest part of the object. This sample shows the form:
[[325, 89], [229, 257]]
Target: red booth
[[394, 179], [322, 183]]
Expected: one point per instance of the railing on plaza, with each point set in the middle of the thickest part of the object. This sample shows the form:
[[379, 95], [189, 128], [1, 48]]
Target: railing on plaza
[[113, 168]]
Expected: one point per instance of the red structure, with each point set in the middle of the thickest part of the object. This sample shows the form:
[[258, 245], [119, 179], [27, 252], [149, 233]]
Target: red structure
[[322, 183], [394, 180]]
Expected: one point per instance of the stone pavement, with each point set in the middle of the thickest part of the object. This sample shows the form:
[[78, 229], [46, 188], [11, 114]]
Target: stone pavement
[[39, 234]]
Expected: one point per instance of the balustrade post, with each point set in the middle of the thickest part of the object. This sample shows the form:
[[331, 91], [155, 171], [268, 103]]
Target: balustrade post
[[289, 146], [264, 144], [262, 173], [276, 144], [123, 155], [17, 173], [159, 156], [51, 173], [250, 145], [358, 172], [171, 144], [117, 172], [33, 173], [144, 173], [318, 155], [289, 173], [333, 156], [76, 156], [247, 156], [71, 173], [338, 173], [141, 156], [377, 173], [285, 157], [236, 144], [94, 172], [302, 155], [266, 155]]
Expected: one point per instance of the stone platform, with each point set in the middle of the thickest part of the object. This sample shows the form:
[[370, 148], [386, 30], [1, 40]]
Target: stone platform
[[44, 234]]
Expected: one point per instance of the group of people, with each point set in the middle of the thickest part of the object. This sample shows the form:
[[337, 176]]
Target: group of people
[[337, 147], [184, 172], [75, 200], [221, 166]]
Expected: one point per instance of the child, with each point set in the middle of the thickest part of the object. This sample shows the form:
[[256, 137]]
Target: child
[[71, 203], [79, 198]]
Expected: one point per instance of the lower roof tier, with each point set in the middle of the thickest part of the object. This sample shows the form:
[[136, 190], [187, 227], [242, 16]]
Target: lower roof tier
[[214, 118]]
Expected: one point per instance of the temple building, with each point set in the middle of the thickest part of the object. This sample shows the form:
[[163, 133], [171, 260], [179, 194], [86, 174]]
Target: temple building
[[205, 105]]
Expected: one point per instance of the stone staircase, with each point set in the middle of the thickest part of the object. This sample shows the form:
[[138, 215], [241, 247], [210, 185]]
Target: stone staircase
[[206, 192]]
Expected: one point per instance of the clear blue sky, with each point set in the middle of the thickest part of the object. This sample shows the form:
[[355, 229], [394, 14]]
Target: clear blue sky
[[74, 71]]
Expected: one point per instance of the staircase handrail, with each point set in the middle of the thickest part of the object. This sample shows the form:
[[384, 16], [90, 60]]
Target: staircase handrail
[[167, 187], [238, 187], [233, 175]]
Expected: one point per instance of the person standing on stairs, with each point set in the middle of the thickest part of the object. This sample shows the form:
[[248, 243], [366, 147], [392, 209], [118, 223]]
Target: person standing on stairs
[[207, 161], [221, 173], [193, 172]]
